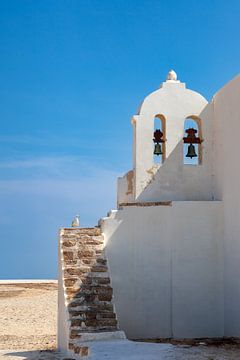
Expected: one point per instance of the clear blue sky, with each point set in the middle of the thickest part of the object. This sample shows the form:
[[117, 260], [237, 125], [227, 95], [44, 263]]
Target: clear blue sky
[[72, 73]]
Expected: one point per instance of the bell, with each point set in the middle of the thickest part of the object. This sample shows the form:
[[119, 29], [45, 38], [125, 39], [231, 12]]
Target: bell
[[191, 151], [157, 149]]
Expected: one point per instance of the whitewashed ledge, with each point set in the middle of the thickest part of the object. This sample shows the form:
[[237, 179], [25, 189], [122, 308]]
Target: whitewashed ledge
[[28, 281]]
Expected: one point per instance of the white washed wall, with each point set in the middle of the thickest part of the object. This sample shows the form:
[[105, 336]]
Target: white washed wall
[[166, 266], [227, 187]]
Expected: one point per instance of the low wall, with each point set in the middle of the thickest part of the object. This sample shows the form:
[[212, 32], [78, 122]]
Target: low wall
[[166, 266]]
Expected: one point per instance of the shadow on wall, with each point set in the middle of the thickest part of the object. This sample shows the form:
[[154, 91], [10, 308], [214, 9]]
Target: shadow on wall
[[174, 180]]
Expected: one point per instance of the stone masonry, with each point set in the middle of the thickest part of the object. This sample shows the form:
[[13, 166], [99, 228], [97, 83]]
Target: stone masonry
[[87, 288]]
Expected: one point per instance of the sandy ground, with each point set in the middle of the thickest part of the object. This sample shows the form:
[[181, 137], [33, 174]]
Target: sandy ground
[[28, 315]]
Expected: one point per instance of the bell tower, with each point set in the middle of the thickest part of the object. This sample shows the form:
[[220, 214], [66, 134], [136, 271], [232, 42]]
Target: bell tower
[[172, 147]]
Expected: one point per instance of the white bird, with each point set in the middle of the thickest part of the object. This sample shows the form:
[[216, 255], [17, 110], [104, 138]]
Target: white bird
[[76, 222]]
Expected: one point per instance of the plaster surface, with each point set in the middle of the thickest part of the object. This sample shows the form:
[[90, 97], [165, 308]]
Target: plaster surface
[[166, 265], [227, 181]]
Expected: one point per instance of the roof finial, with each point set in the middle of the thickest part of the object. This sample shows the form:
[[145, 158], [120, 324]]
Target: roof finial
[[171, 76]]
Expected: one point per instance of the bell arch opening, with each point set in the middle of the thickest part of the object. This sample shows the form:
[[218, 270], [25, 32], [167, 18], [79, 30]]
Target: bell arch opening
[[159, 138], [192, 149]]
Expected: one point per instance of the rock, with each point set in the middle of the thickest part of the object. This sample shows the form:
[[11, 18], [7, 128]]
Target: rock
[[68, 255], [69, 243], [70, 282], [85, 253]]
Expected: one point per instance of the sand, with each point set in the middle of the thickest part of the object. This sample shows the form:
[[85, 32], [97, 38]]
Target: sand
[[28, 316]]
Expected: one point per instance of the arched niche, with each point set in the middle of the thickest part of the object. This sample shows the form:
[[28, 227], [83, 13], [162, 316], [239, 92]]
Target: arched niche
[[159, 124], [192, 130]]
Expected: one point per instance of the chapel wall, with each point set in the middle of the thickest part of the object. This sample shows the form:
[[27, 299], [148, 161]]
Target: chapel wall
[[227, 184], [167, 269]]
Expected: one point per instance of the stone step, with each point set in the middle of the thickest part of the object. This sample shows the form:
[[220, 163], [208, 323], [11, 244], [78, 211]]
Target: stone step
[[79, 350], [73, 282], [99, 335], [89, 289], [94, 322], [76, 263], [77, 305], [82, 240], [91, 329], [88, 299], [80, 253], [91, 295], [68, 232], [84, 270], [91, 314]]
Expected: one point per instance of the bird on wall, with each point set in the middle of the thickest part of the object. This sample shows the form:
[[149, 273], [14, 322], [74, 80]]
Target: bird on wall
[[76, 221]]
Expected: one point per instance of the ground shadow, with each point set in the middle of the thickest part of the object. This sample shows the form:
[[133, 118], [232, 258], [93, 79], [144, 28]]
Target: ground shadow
[[34, 355]]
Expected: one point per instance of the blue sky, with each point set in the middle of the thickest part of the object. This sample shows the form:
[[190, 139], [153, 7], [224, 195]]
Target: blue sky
[[72, 73]]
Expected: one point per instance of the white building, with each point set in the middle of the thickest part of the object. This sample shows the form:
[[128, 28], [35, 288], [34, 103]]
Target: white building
[[173, 245]]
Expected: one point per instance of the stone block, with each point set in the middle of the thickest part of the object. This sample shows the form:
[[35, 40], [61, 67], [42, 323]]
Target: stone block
[[94, 242], [71, 346], [68, 255], [105, 307], [74, 334], [86, 280], [99, 268], [88, 261], [107, 322], [70, 262], [106, 315], [77, 322], [86, 253], [102, 261], [70, 282], [90, 231], [101, 281], [81, 350], [107, 290], [77, 271], [69, 243], [104, 297], [91, 322]]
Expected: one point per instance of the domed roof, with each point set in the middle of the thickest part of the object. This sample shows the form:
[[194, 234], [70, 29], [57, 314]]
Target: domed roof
[[172, 96]]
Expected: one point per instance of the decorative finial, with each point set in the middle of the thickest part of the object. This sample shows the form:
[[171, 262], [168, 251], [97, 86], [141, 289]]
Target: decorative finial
[[171, 76], [76, 222]]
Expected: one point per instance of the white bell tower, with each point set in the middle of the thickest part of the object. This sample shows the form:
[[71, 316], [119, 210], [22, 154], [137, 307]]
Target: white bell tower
[[172, 178]]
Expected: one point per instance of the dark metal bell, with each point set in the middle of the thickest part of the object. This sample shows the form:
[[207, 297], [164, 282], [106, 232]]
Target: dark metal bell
[[191, 151], [157, 149]]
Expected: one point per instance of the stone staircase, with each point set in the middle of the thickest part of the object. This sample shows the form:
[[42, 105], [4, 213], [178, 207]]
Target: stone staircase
[[87, 288]]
